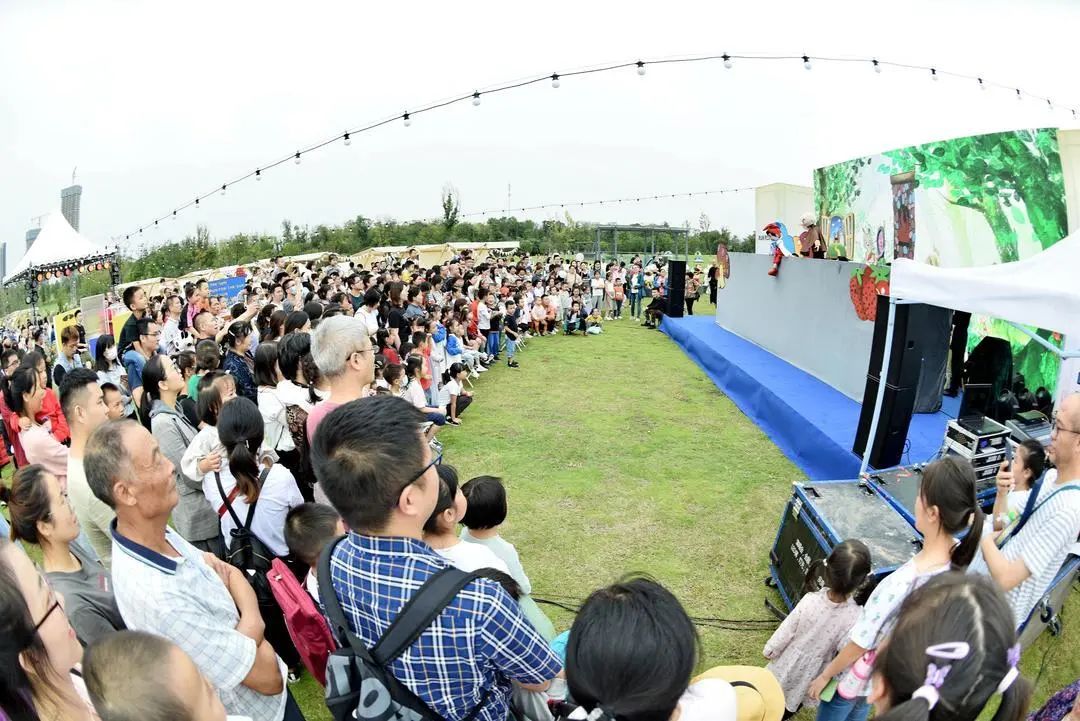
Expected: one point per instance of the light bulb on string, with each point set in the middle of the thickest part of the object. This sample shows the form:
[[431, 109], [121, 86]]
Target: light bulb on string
[[258, 176], [727, 61], [933, 74], [1019, 95], [223, 190], [806, 61], [476, 97], [555, 80], [296, 158], [406, 120], [640, 67], [1050, 105], [196, 203], [877, 65], [347, 139], [174, 215]]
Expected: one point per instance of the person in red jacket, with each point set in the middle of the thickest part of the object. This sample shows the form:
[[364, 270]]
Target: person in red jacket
[[50, 408]]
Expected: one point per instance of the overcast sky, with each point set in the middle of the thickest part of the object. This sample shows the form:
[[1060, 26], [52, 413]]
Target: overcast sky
[[158, 102]]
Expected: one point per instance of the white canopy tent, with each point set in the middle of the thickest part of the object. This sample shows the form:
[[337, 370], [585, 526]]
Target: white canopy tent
[[1042, 291], [57, 244]]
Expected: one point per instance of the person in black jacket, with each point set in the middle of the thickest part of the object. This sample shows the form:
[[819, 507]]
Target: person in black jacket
[[656, 310]]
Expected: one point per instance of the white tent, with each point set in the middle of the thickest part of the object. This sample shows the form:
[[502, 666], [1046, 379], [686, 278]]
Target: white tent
[[1042, 291], [57, 243]]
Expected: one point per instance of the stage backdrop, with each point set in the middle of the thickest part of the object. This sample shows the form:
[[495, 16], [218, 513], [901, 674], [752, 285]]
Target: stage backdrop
[[979, 200], [803, 316]]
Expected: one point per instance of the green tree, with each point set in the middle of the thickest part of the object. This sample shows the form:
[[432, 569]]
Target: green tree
[[1012, 179], [451, 206]]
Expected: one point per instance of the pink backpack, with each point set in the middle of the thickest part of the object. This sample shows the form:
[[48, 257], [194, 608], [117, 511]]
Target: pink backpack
[[307, 627]]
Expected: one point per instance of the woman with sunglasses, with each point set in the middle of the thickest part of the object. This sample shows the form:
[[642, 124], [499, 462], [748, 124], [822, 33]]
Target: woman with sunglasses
[[42, 515], [39, 651]]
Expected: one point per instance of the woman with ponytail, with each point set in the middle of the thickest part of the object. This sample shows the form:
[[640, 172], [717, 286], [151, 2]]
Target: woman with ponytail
[[946, 506], [193, 517], [953, 648], [240, 428], [237, 362]]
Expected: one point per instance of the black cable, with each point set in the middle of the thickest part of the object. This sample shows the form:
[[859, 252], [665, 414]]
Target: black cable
[[750, 624], [513, 85]]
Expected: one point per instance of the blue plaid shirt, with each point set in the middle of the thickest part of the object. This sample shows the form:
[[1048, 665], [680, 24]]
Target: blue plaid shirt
[[480, 641]]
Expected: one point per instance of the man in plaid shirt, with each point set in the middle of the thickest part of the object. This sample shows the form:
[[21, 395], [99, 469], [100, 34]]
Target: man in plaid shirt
[[372, 461]]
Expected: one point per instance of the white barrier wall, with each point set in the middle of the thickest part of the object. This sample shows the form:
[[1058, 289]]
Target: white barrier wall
[[804, 316]]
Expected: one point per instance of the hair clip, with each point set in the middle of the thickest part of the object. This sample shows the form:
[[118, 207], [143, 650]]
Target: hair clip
[[935, 679], [954, 650], [1012, 674]]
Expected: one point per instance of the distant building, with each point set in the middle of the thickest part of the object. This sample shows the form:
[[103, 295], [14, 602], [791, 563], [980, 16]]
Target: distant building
[[3, 260], [69, 204], [31, 236]]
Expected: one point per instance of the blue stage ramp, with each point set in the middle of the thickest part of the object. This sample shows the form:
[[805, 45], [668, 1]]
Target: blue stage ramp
[[811, 422]]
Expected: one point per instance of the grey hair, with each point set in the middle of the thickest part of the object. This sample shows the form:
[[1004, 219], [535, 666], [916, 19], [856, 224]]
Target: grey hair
[[334, 340], [106, 459]]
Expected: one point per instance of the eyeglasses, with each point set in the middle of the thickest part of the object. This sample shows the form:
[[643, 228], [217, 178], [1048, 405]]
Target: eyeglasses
[[1055, 427], [437, 460]]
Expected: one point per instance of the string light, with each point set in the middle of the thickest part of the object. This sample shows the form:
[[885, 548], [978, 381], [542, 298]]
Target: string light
[[223, 190], [607, 201], [555, 80]]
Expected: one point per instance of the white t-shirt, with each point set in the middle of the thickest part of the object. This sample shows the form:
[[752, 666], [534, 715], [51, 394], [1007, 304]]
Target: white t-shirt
[[710, 699], [483, 316], [278, 496], [370, 319], [472, 557], [598, 287], [414, 393], [453, 388], [1043, 543]]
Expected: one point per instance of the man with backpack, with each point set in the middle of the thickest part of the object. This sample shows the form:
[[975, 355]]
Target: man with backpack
[[166, 586], [419, 639]]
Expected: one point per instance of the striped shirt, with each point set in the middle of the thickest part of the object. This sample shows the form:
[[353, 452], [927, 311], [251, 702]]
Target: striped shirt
[[1043, 543], [479, 643]]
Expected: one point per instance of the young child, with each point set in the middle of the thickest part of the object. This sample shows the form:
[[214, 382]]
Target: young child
[[819, 625], [574, 321], [953, 649], [1027, 465], [206, 453], [538, 320], [452, 398], [308, 528], [114, 401], [485, 512], [510, 328], [441, 528], [595, 322], [945, 506]]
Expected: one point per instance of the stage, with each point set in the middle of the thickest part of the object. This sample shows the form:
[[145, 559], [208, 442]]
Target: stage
[[810, 421]]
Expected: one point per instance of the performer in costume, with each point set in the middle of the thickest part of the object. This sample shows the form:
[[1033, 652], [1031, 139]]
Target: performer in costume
[[811, 241]]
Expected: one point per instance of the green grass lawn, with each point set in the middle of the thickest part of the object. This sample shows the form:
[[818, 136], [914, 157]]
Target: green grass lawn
[[620, 455]]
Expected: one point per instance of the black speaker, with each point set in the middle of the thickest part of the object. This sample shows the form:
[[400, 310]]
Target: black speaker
[[887, 450], [676, 288], [901, 384]]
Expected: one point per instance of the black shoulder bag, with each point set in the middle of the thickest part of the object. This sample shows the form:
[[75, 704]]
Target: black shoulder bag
[[246, 551]]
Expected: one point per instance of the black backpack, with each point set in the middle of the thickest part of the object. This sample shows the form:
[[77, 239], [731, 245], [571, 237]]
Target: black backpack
[[359, 683], [246, 551]]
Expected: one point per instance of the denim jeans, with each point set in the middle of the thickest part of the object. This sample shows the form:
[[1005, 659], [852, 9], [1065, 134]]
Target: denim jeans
[[511, 348], [493, 343], [843, 709], [635, 305]]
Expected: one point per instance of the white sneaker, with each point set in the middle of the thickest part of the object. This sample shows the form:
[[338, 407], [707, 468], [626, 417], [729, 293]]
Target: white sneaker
[[482, 369], [473, 373]]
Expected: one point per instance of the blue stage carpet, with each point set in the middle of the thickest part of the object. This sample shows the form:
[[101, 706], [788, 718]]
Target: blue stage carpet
[[811, 422]]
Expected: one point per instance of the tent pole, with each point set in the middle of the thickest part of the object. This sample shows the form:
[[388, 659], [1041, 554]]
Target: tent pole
[[880, 400], [1043, 342]]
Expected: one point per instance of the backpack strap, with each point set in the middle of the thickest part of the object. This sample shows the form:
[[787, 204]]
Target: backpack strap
[[228, 498], [339, 626], [420, 612], [1030, 511]]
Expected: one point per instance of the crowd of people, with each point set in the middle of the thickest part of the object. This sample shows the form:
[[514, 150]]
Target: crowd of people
[[225, 494]]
